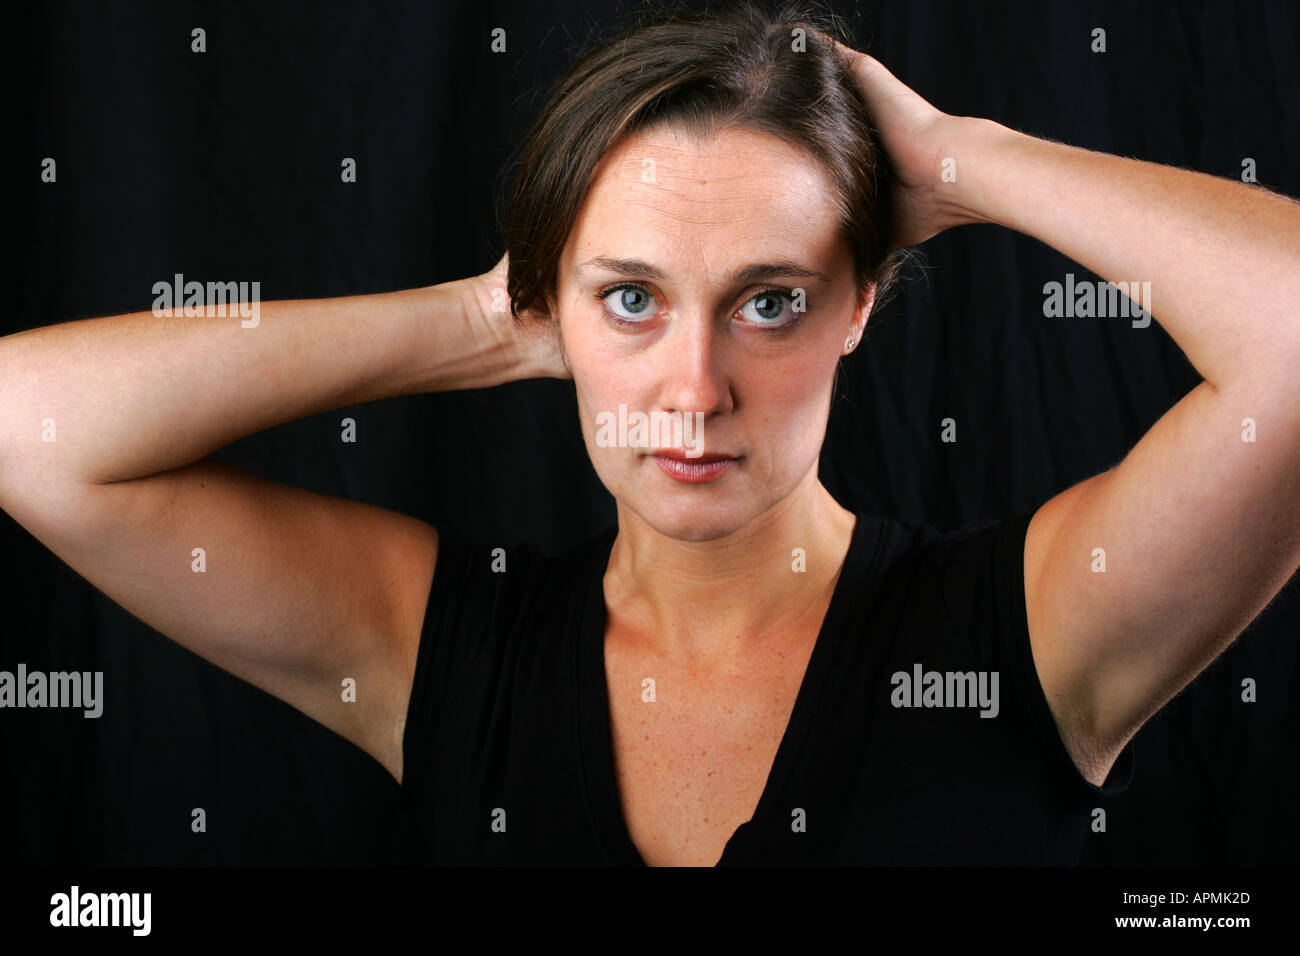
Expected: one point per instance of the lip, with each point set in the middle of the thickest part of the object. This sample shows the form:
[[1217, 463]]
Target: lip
[[693, 471], [679, 454]]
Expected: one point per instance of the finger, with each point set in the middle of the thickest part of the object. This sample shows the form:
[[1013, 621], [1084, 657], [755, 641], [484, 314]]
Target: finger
[[884, 92], [878, 71], [849, 54]]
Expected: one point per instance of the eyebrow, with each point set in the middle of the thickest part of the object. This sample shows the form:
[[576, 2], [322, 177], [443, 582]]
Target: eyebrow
[[757, 272]]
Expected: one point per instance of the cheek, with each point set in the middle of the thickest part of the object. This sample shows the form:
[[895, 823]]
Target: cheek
[[600, 385], [792, 396], [604, 374]]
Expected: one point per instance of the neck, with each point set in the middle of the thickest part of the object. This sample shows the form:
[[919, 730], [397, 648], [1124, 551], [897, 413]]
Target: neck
[[711, 601]]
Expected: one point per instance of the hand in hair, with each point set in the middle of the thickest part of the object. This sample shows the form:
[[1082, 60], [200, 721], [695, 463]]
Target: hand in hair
[[924, 149], [534, 336]]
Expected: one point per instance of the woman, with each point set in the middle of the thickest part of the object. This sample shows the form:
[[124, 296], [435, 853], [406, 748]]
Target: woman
[[744, 671]]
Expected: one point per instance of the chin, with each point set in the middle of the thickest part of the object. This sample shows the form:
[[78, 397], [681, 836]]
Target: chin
[[691, 524], [690, 512]]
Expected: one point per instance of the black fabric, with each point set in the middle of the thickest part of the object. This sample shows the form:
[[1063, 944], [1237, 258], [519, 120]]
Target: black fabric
[[508, 720]]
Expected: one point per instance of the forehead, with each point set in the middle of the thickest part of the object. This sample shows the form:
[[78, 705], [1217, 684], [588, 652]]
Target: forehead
[[665, 196]]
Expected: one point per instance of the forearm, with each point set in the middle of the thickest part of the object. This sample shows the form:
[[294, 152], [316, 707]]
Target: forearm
[[1222, 258], [120, 397]]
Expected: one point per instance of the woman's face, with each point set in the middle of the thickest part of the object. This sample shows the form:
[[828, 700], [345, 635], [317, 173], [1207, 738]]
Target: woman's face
[[703, 356]]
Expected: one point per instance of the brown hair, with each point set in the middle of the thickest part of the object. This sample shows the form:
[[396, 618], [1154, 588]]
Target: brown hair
[[704, 71]]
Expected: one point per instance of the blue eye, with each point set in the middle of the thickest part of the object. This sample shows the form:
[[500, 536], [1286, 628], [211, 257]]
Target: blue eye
[[769, 310], [631, 297]]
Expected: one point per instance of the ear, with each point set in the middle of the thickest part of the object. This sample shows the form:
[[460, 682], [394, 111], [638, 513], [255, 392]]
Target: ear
[[552, 317], [863, 304]]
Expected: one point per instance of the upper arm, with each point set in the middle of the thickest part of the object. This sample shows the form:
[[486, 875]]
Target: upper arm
[[1198, 531], [297, 591]]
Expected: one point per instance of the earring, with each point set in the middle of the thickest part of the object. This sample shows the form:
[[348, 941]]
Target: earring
[[849, 345]]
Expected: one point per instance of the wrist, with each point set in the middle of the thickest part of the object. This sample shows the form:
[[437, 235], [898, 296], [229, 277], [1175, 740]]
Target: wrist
[[532, 342], [459, 345], [485, 307], [979, 148]]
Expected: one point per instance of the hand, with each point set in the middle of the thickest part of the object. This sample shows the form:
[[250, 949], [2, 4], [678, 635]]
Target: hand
[[918, 139], [534, 335]]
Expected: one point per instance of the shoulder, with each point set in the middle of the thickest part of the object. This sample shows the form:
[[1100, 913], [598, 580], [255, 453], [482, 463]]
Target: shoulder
[[485, 591], [959, 596], [957, 588], [469, 573], [980, 557]]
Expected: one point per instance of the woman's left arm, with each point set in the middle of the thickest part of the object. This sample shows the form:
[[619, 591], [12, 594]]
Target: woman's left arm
[[1199, 525]]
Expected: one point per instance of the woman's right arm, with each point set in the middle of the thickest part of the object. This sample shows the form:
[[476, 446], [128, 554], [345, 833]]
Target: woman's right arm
[[105, 425]]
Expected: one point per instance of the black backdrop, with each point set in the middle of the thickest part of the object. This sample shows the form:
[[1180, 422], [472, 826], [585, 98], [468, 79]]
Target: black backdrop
[[226, 164]]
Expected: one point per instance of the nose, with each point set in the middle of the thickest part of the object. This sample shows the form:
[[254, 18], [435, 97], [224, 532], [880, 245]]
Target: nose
[[693, 367]]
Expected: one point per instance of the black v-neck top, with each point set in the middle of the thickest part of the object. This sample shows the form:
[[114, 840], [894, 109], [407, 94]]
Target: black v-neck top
[[892, 755]]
